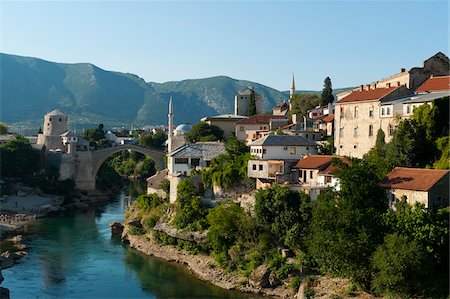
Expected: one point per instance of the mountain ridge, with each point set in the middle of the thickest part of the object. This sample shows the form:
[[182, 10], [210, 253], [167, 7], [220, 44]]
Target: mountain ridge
[[30, 87]]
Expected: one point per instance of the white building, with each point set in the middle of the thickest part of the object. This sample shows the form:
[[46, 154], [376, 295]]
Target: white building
[[241, 102], [276, 155]]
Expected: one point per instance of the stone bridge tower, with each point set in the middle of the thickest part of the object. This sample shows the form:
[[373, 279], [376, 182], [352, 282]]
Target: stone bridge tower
[[55, 124]]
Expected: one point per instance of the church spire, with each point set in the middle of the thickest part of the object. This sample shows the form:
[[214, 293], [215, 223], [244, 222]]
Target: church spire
[[292, 93]]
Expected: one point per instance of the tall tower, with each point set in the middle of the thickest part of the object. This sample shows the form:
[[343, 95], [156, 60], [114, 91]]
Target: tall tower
[[292, 93], [170, 134]]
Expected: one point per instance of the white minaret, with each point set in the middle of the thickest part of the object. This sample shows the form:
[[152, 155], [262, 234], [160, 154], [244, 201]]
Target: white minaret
[[292, 93], [170, 133]]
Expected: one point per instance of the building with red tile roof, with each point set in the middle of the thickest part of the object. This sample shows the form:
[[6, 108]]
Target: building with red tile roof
[[259, 123], [435, 84], [417, 185]]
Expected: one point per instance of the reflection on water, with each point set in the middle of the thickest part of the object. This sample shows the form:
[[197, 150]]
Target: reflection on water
[[74, 256]]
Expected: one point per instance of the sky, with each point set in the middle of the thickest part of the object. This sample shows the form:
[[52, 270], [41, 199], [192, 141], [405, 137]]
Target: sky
[[352, 42]]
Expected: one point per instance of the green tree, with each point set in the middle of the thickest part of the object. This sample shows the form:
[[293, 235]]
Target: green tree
[[252, 103], [398, 267], [376, 157], [155, 140], [145, 168], [347, 225], [429, 229], [327, 147], [443, 145], [225, 224], [3, 128], [327, 92], [95, 134], [284, 213], [301, 103], [17, 158], [204, 132], [189, 212]]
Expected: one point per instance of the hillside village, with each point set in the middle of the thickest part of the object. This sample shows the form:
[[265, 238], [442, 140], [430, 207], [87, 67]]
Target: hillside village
[[267, 202]]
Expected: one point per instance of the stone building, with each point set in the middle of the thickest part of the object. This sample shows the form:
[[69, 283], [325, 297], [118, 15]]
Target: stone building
[[358, 117], [415, 185], [241, 102], [55, 124], [226, 122]]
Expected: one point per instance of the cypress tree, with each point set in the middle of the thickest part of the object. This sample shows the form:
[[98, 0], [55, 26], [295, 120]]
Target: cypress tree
[[327, 92], [252, 103]]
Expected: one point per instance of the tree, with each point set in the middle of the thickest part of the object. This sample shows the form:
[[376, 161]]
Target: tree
[[443, 145], [301, 103], [347, 225], [225, 224], [327, 92], [252, 103], [95, 134], [155, 140], [204, 132], [376, 157], [3, 128], [284, 213], [398, 267], [190, 214], [18, 159], [145, 168]]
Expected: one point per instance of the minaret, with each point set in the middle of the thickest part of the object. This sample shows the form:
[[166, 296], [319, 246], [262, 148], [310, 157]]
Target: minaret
[[170, 134], [292, 93]]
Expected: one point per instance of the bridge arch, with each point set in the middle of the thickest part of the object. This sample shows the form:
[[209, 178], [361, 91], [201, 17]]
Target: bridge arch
[[100, 156]]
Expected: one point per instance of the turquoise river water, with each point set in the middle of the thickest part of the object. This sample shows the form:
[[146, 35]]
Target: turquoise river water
[[74, 256]]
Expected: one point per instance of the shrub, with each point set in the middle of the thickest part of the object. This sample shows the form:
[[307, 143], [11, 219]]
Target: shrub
[[135, 230]]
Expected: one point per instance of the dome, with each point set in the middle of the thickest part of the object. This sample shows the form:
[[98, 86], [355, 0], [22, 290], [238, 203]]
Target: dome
[[184, 128], [56, 112]]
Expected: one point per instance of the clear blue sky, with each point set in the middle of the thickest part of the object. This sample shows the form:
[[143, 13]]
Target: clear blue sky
[[353, 42]]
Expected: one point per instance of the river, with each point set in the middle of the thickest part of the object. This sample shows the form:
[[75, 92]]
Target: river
[[74, 256]]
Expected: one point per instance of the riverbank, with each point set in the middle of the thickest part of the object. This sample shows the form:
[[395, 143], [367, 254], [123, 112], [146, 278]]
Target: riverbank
[[204, 267]]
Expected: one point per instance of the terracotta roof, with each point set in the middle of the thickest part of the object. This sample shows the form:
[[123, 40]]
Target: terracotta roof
[[313, 161], [283, 105], [329, 118], [413, 178], [435, 83], [367, 95], [259, 119], [330, 168], [288, 126]]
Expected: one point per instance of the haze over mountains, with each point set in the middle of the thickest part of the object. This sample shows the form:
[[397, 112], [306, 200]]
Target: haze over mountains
[[30, 87]]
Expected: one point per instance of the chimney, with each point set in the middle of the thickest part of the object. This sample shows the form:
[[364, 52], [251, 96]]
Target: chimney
[[375, 86], [398, 83], [361, 88], [431, 76], [402, 70], [388, 85], [368, 87]]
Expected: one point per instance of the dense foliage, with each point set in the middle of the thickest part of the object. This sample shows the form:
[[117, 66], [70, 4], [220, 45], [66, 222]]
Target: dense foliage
[[301, 103], [229, 169], [96, 136], [204, 132], [3, 128], [17, 158], [284, 213], [155, 140]]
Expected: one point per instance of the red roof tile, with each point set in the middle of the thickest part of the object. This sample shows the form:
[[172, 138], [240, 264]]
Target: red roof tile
[[434, 84], [313, 161], [329, 118], [367, 95], [413, 178], [330, 168], [259, 119]]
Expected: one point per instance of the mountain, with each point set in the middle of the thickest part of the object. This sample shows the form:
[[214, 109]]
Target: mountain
[[30, 87]]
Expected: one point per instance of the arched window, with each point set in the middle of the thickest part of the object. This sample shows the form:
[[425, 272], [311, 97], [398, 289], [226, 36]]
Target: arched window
[[370, 131]]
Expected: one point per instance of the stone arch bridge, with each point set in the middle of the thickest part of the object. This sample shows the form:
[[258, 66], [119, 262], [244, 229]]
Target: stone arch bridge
[[88, 163]]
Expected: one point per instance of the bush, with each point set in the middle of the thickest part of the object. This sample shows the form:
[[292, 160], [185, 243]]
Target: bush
[[147, 202], [295, 282], [135, 230]]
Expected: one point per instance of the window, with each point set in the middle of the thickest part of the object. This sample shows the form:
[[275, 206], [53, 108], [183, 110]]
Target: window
[[306, 136], [370, 131], [260, 167], [195, 162], [388, 111], [356, 112], [314, 137], [50, 119], [285, 148], [60, 119], [327, 179], [371, 111], [310, 174], [264, 150], [341, 132], [293, 150], [181, 160], [382, 111], [390, 130], [408, 109], [307, 148], [342, 112], [241, 128], [254, 166], [341, 146], [355, 132], [355, 146], [300, 174]]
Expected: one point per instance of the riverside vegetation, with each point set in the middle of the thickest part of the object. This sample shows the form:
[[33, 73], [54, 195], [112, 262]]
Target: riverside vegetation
[[350, 233]]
